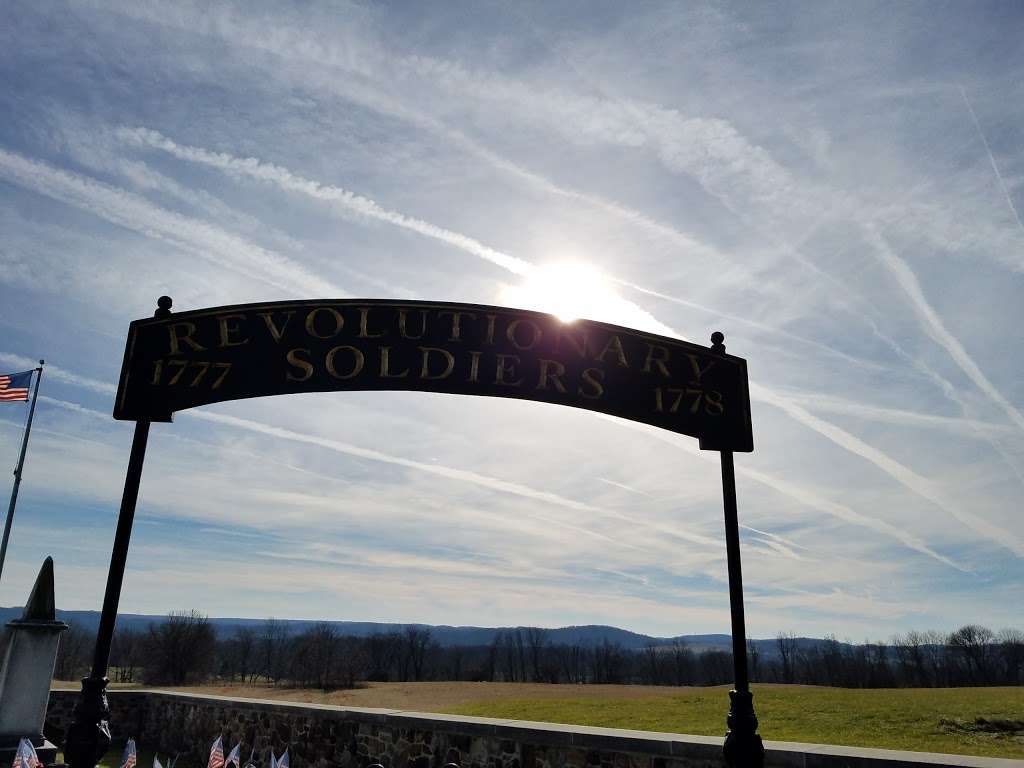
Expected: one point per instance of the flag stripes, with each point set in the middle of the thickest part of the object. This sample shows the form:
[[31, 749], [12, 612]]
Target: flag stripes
[[14, 387], [216, 754]]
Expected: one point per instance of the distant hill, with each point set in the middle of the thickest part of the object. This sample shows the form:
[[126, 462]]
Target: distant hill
[[587, 635]]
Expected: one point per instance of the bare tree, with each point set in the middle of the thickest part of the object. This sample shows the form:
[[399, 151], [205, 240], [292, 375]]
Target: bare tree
[[608, 663], [180, 649], [271, 644], [682, 662], [73, 653], [651, 670], [536, 641], [416, 641], [787, 644], [973, 643], [1011, 651], [573, 662], [754, 656], [383, 651], [125, 654]]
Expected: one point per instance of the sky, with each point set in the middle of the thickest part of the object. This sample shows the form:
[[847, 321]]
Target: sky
[[834, 186]]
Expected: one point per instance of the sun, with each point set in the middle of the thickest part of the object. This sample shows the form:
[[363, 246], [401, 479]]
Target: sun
[[567, 290]]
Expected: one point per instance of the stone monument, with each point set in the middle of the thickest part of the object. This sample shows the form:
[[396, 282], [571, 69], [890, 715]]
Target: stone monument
[[28, 653]]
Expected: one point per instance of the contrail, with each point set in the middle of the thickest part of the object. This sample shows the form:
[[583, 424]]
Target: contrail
[[284, 178], [935, 327], [55, 372], [138, 214], [451, 473], [257, 169], [958, 425], [804, 496], [899, 472], [992, 159]]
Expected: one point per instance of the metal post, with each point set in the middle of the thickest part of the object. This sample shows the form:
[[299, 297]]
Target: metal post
[[18, 470], [743, 747], [88, 736]]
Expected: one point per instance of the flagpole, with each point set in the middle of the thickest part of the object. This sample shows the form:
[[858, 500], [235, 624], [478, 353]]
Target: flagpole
[[17, 472]]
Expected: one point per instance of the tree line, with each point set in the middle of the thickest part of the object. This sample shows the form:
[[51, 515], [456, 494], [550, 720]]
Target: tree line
[[186, 649]]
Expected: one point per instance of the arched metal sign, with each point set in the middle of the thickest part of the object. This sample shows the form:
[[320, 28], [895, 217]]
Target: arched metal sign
[[173, 362], [185, 360]]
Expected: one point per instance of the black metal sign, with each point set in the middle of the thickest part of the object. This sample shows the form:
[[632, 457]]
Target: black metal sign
[[174, 362], [189, 359]]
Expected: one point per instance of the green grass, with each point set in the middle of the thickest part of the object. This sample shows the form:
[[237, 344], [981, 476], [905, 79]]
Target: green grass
[[910, 719]]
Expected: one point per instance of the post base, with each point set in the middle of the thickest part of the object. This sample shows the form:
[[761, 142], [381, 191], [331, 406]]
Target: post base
[[88, 736], [743, 746]]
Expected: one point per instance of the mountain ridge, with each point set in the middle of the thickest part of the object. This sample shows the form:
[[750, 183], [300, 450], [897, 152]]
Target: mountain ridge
[[446, 635]]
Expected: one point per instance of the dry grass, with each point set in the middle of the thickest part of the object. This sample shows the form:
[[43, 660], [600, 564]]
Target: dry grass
[[440, 696]]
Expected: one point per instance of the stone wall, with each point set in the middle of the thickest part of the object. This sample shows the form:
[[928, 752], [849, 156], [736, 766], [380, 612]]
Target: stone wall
[[323, 736]]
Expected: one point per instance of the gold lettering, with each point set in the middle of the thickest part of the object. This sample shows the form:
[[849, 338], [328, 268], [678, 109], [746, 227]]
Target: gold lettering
[[456, 322], [546, 375], [385, 364], [339, 322], [293, 358], [177, 339], [592, 377], [698, 372], [226, 330], [357, 362], [713, 405], [425, 369], [510, 333], [658, 361], [364, 318], [502, 369], [474, 366], [402, 318], [579, 344], [614, 344], [490, 329], [275, 332]]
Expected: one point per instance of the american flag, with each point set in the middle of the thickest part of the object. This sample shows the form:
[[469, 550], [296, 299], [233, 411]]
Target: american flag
[[216, 754], [14, 386], [235, 756], [282, 761], [25, 756], [129, 758]]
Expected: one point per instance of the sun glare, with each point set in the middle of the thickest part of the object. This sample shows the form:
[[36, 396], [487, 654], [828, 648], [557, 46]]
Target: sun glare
[[567, 290]]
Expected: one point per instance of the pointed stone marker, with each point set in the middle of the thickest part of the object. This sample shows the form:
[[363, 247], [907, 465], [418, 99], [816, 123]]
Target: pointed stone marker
[[28, 653]]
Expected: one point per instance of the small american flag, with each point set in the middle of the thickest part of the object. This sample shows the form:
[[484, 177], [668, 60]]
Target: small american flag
[[216, 754], [14, 387], [25, 756], [282, 761], [129, 758], [235, 756]]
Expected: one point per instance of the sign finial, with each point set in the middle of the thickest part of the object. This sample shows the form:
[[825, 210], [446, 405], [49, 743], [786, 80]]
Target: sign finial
[[163, 306], [718, 341]]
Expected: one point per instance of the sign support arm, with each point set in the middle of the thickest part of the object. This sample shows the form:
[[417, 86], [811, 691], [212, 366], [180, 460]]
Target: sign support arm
[[743, 747], [88, 737]]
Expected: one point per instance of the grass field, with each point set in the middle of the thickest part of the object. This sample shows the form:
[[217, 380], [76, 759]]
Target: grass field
[[921, 719], [927, 720]]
